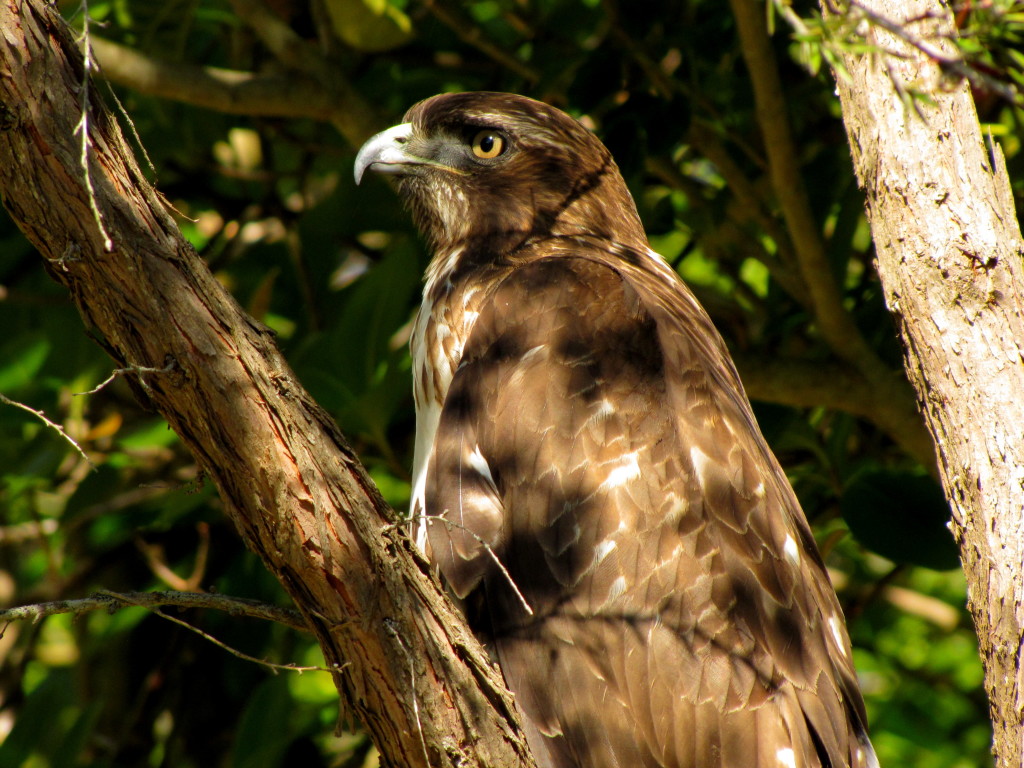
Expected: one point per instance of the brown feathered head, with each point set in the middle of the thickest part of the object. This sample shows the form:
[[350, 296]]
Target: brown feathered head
[[501, 169]]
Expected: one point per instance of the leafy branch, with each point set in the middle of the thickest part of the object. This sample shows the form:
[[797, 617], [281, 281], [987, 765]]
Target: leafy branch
[[958, 58]]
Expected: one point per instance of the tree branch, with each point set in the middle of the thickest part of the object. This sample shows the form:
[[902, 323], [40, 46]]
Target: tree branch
[[806, 384], [355, 118], [472, 35], [223, 90], [955, 65], [288, 478], [835, 323], [115, 601], [949, 252], [282, 41]]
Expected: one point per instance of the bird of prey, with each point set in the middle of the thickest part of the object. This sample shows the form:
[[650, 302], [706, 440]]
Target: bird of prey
[[588, 474]]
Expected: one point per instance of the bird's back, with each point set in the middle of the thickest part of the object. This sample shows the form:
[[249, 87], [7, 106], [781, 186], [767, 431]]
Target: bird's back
[[679, 608]]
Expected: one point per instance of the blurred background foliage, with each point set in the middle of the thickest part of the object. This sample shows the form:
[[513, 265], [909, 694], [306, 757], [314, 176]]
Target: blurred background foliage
[[263, 188]]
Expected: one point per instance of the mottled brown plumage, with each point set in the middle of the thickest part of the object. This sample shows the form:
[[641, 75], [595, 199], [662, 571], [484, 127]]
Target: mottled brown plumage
[[659, 599]]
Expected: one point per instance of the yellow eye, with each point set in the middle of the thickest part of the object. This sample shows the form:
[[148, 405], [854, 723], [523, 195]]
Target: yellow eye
[[487, 145]]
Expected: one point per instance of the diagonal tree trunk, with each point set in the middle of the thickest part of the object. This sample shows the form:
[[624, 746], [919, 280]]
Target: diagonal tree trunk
[[405, 663], [949, 254]]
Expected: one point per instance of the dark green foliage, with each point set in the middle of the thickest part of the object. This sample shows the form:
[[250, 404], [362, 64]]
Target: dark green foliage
[[885, 510], [335, 272]]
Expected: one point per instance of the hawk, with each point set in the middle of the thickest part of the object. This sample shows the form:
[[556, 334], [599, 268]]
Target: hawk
[[588, 475]]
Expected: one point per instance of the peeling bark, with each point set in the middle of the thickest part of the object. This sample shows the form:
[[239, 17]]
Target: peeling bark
[[949, 255], [407, 666]]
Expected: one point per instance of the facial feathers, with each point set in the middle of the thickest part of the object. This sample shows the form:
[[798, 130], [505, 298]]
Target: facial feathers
[[551, 175]]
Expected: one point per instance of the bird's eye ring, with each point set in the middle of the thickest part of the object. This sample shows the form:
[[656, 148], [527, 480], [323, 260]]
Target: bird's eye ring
[[488, 144]]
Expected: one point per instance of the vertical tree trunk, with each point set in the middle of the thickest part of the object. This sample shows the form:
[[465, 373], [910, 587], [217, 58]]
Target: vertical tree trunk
[[403, 659], [949, 254]]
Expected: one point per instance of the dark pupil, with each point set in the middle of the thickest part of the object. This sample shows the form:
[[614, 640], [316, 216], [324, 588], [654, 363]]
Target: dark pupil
[[487, 144]]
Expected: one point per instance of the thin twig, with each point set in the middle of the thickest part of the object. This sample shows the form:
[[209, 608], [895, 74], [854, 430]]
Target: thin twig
[[72, 252], [471, 34], [134, 131], [136, 369], [21, 532], [784, 268], [666, 86], [955, 65], [83, 128], [274, 94], [355, 118], [220, 644], [56, 427], [390, 626], [239, 654], [158, 565], [501, 566], [112, 601]]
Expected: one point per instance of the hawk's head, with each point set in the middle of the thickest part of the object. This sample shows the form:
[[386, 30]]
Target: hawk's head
[[497, 168]]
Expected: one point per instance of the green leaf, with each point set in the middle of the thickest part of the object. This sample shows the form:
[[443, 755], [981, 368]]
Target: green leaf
[[263, 733], [37, 730], [370, 25], [21, 359], [901, 516], [74, 743]]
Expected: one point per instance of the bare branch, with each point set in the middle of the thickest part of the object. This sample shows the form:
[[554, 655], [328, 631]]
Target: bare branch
[[313, 88], [115, 601], [221, 644], [662, 83], [83, 127], [21, 532], [954, 66], [889, 404], [157, 562], [282, 41], [782, 269], [224, 90], [244, 656], [56, 427], [834, 322], [450, 524], [138, 370], [354, 117], [472, 35]]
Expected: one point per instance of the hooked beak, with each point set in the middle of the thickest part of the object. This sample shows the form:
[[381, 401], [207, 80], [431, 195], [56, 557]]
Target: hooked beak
[[385, 152]]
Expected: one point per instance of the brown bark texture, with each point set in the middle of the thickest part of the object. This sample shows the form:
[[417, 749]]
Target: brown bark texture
[[406, 665], [949, 255]]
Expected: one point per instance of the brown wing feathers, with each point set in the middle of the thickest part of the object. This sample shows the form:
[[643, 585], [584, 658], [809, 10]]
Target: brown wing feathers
[[660, 601], [639, 539]]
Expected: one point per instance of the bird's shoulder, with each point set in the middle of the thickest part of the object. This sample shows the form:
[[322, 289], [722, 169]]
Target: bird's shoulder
[[626, 306], [597, 443]]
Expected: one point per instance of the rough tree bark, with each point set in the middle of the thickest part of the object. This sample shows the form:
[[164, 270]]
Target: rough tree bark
[[405, 663], [949, 254]]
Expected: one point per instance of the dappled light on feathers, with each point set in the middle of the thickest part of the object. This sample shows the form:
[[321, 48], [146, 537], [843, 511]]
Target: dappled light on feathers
[[659, 600]]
